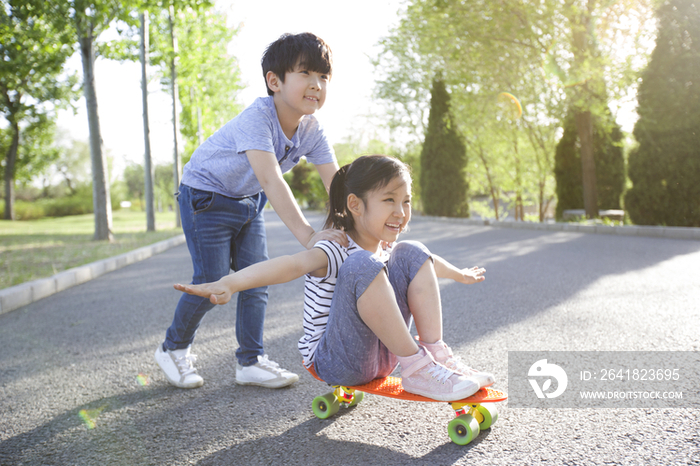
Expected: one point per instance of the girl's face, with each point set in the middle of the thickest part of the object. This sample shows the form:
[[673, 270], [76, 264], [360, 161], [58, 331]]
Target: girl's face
[[384, 215]]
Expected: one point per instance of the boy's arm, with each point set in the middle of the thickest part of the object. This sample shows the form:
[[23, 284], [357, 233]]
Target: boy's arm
[[444, 269], [327, 172], [269, 176], [271, 272]]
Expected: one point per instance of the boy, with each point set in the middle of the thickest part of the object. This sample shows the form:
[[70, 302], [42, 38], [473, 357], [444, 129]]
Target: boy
[[224, 189]]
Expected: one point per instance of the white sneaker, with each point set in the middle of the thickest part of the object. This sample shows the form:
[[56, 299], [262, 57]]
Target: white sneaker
[[443, 355], [421, 375], [264, 373], [178, 366]]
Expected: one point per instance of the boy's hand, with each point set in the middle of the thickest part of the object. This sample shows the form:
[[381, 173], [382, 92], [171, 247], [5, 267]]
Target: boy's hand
[[473, 275], [217, 294], [339, 236]]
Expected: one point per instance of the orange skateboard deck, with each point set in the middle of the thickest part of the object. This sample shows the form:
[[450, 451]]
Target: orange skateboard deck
[[472, 414]]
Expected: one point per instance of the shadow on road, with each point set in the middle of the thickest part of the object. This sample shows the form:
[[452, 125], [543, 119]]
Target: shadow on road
[[306, 444], [84, 432]]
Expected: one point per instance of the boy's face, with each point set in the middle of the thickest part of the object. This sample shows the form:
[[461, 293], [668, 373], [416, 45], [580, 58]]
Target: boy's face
[[303, 91]]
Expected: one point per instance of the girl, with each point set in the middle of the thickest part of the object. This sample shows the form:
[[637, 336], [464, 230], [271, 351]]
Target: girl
[[357, 317]]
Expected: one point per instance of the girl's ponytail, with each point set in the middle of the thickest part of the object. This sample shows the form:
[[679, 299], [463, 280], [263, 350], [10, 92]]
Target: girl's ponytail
[[337, 205]]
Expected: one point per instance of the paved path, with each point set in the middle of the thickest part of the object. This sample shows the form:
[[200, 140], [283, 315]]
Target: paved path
[[78, 384]]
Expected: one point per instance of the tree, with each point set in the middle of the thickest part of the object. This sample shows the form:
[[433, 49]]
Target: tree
[[36, 151], [665, 167], [526, 49], [609, 165], [133, 179], [147, 166], [33, 51], [443, 177], [73, 164], [601, 40], [481, 60], [90, 18], [208, 74], [190, 40], [164, 187]]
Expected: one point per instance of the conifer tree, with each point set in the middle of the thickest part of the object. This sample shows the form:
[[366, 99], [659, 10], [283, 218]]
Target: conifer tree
[[443, 177], [665, 167], [609, 166]]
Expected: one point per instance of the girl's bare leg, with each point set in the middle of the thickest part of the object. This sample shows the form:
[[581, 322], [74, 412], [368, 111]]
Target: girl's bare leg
[[379, 311], [424, 303]]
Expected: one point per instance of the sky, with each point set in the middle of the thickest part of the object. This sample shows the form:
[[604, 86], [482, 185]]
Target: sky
[[351, 29]]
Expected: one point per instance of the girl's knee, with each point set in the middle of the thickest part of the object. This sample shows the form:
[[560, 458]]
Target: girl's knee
[[358, 271], [411, 253], [410, 247], [358, 262]]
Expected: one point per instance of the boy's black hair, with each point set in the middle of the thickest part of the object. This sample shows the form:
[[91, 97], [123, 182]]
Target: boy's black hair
[[305, 49]]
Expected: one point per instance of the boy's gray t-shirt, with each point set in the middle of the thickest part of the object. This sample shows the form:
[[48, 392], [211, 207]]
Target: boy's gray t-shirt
[[221, 165]]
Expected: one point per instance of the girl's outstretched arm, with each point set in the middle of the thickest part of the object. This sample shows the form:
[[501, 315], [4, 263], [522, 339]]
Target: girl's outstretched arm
[[281, 269], [444, 269]]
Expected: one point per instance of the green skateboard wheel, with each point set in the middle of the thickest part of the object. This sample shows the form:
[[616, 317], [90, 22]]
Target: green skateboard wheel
[[463, 429], [359, 396], [325, 406], [490, 414]]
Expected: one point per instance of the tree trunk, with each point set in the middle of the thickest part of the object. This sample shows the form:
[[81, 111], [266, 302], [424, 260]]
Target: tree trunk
[[176, 119], [10, 161], [583, 42], [519, 210], [492, 186], [100, 186], [147, 166], [584, 125]]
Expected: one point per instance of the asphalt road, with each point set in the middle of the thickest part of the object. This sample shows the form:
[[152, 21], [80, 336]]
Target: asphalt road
[[79, 386]]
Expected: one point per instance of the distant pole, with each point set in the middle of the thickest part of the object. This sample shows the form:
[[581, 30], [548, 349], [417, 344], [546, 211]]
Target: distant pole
[[147, 166], [176, 119]]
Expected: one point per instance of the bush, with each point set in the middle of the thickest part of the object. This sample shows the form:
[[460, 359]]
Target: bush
[[609, 166], [24, 210], [62, 207], [665, 167], [77, 204], [443, 177], [307, 186]]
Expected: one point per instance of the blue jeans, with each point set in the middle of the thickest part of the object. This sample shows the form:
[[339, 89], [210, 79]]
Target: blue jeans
[[349, 353], [222, 233]]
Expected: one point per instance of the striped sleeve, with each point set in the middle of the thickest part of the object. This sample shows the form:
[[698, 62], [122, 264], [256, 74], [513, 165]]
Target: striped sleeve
[[335, 255]]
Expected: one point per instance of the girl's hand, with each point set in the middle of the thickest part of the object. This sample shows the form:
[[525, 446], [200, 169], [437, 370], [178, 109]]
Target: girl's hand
[[473, 275], [216, 293]]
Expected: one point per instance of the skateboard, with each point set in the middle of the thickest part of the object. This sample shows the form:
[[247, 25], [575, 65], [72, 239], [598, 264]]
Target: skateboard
[[472, 414]]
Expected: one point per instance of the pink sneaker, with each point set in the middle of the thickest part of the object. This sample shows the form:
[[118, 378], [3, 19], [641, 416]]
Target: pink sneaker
[[443, 355], [421, 375]]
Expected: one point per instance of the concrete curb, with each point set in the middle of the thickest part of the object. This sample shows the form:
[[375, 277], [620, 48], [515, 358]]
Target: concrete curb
[[26, 293], [627, 230]]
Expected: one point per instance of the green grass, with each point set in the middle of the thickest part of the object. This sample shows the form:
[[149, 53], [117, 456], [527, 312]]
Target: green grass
[[40, 248]]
